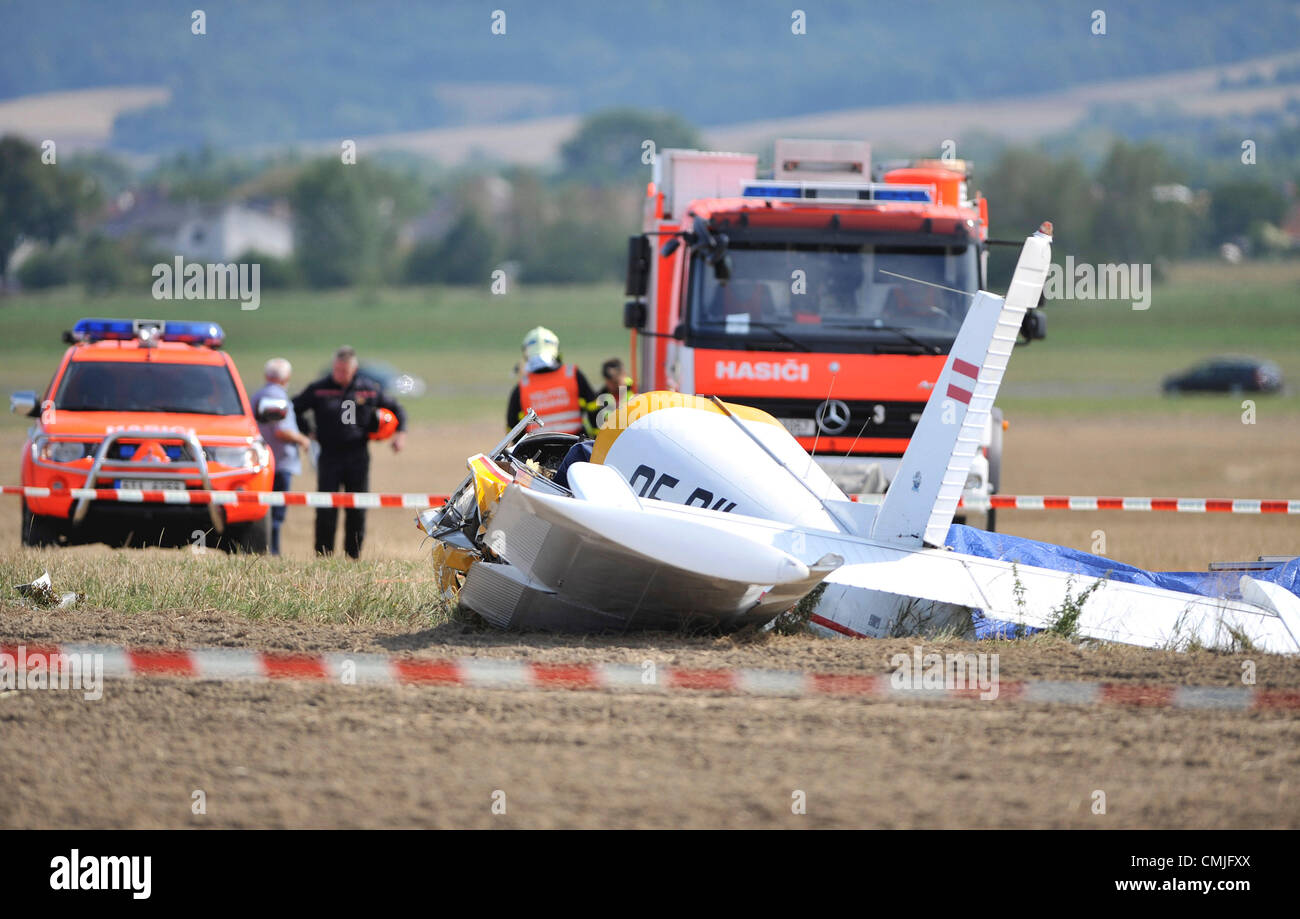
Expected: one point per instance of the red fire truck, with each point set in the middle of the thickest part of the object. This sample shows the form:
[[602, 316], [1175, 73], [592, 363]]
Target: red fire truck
[[825, 297]]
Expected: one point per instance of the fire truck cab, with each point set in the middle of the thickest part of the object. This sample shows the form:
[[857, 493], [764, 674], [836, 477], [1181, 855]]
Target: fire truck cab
[[819, 295]]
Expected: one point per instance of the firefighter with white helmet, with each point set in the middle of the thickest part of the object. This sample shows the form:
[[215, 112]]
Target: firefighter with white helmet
[[558, 392]]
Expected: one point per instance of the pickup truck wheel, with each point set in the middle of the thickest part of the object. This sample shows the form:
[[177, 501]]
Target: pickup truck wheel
[[39, 530], [253, 537]]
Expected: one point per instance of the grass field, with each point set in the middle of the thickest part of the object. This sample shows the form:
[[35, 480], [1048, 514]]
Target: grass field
[[163, 581], [1107, 358]]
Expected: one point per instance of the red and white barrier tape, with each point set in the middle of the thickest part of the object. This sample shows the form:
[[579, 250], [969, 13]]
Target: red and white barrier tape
[[493, 673], [370, 499], [1184, 505], [363, 499]]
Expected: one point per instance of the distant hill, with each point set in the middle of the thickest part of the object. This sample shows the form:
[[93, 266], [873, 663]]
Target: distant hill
[[910, 128], [276, 72], [76, 118]]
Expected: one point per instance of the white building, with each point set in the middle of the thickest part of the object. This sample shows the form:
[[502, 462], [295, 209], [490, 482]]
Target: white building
[[232, 230], [202, 232]]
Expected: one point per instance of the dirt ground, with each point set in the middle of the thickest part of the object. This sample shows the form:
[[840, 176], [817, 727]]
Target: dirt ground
[[309, 755]]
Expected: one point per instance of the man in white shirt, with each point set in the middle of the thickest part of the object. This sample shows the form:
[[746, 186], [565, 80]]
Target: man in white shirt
[[282, 436]]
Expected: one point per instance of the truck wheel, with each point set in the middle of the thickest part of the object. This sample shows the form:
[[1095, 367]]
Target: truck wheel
[[39, 530], [253, 537], [995, 469]]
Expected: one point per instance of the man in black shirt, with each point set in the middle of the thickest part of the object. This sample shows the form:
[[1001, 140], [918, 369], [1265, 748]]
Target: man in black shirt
[[340, 411]]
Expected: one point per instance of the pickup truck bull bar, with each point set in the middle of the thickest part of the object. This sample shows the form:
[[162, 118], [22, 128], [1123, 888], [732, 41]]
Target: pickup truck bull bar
[[197, 467]]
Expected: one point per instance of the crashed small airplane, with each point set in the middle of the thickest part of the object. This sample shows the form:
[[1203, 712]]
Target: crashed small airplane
[[686, 512]]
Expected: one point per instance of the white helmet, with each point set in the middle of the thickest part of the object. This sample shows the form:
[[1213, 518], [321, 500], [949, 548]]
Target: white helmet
[[542, 343]]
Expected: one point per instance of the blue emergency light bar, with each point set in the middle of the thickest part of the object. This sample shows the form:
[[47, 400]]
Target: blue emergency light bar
[[838, 192], [772, 191], [902, 193], [205, 334]]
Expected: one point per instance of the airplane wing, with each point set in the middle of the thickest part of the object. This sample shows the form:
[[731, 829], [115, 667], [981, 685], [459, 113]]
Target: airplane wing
[[883, 587], [1040, 597], [922, 498]]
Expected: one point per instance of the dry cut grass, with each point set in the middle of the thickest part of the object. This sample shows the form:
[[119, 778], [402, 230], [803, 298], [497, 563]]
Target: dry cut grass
[[333, 590]]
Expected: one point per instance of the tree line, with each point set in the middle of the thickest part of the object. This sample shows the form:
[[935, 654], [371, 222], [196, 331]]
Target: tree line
[[397, 220]]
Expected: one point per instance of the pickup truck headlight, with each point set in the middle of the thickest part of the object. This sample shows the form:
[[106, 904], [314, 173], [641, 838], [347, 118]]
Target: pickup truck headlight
[[231, 456], [245, 455], [64, 451]]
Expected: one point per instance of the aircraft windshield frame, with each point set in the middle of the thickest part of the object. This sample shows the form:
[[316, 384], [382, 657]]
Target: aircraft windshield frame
[[152, 386], [820, 295]]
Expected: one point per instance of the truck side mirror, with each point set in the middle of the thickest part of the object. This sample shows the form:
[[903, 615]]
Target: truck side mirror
[[634, 314], [1034, 325], [638, 266], [23, 402], [270, 408]]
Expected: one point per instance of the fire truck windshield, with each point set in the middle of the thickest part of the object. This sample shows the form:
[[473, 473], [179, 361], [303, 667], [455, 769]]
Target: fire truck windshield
[[834, 298]]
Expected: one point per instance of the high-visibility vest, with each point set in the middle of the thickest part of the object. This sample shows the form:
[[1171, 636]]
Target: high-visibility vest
[[553, 394]]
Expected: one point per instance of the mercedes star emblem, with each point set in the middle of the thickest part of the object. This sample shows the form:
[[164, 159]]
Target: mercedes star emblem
[[833, 416]]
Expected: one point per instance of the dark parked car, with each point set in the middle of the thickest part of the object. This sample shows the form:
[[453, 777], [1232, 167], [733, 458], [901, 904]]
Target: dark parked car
[[386, 375], [1227, 374]]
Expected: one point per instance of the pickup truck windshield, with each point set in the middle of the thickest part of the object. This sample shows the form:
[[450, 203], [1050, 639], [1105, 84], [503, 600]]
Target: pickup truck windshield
[[114, 386], [826, 296]]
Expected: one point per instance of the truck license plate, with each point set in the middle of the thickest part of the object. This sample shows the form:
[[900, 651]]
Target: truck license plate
[[151, 484], [800, 427]]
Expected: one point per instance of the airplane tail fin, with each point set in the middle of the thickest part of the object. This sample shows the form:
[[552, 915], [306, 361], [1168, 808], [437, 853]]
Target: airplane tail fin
[[921, 501]]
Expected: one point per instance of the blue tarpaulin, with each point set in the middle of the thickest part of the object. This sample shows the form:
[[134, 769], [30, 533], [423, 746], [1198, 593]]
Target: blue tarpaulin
[[1003, 547]]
